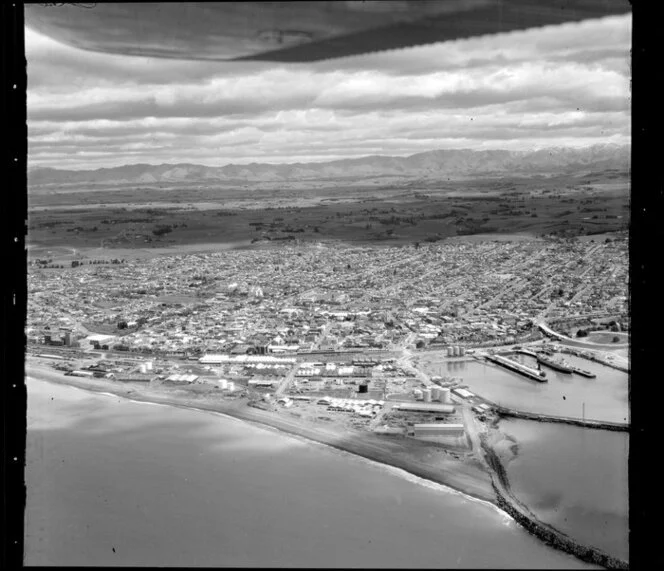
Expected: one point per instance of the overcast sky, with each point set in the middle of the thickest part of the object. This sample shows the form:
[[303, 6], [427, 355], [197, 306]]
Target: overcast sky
[[563, 85]]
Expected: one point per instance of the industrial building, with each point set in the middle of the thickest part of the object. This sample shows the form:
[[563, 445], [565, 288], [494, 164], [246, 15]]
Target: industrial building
[[182, 378], [481, 408], [222, 359], [425, 407], [262, 383], [438, 429], [463, 393], [80, 373], [132, 377], [441, 394], [145, 367], [97, 340]]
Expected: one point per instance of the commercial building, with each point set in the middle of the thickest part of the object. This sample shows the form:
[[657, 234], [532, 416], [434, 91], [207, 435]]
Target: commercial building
[[101, 339]]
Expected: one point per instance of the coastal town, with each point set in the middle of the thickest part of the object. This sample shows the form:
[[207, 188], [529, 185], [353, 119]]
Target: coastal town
[[339, 284], [332, 333]]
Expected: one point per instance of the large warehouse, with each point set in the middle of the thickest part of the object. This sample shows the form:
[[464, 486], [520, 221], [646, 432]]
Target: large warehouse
[[425, 407], [240, 359], [438, 429]]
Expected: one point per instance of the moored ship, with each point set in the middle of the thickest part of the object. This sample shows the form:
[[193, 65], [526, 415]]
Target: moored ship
[[558, 365]]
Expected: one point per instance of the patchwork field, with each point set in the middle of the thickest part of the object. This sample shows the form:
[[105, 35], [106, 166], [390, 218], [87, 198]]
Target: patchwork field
[[115, 219]]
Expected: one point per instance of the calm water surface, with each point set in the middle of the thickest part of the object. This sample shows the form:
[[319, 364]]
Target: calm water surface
[[113, 482], [575, 479], [603, 398]]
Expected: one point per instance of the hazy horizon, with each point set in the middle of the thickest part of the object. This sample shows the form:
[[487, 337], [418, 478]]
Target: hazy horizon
[[313, 162]]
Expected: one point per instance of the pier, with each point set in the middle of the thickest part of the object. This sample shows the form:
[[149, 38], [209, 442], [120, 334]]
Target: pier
[[529, 372]]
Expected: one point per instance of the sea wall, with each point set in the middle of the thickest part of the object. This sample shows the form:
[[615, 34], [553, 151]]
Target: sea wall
[[551, 536]]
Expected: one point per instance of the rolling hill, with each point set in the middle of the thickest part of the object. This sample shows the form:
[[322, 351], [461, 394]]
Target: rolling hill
[[431, 165]]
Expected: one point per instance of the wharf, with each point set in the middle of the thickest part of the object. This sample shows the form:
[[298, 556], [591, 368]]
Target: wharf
[[533, 374]]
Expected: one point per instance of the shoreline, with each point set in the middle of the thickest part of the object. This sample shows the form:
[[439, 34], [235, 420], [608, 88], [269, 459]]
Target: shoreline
[[468, 479], [459, 476]]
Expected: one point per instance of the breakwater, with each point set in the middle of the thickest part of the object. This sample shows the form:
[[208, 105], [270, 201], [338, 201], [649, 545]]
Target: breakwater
[[522, 515], [601, 425]]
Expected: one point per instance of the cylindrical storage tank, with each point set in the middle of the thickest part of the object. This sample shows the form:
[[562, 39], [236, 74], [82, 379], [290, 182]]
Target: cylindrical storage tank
[[450, 351], [363, 388], [417, 393], [435, 393], [426, 395], [456, 350], [148, 365], [143, 369], [231, 386], [223, 384], [462, 351], [445, 396]]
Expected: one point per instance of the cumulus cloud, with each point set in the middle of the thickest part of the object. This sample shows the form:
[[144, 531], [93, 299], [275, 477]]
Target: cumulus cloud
[[557, 86]]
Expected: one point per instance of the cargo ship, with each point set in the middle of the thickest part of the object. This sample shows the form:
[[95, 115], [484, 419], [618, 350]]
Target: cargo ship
[[558, 365]]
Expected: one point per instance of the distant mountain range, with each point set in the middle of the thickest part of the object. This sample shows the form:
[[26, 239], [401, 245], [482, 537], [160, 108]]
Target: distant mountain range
[[427, 165]]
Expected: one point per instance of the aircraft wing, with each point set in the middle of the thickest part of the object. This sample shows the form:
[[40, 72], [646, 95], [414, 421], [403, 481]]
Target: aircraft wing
[[295, 31]]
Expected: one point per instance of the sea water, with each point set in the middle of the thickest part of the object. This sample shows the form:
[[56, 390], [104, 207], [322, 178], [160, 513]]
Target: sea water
[[604, 398], [115, 482], [575, 479]]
